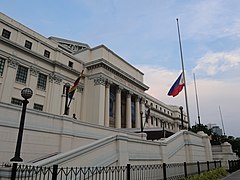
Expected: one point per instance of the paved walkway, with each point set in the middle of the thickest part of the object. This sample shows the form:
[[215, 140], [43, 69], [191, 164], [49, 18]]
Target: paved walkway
[[233, 176]]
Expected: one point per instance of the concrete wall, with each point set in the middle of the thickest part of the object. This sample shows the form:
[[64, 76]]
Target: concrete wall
[[46, 135], [122, 149]]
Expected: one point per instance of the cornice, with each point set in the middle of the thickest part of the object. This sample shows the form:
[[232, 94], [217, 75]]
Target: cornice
[[110, 51], [37, 39], [41, 57]]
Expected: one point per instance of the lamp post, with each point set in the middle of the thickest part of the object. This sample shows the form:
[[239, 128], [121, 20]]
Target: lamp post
[[181, 111], [141, 114], [26, 93], [66, 86], [164, 132]]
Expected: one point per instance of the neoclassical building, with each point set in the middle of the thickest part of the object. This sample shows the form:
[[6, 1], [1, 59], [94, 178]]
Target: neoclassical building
[[111, 93]]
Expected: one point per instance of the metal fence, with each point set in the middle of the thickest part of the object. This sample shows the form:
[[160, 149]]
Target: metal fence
[[234, 165], [130, 172]]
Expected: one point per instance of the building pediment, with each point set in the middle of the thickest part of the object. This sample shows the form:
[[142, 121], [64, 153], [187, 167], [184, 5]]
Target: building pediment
[[68, 45]]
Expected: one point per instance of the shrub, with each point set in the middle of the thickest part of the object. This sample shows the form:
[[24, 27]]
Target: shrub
[[213, 175]]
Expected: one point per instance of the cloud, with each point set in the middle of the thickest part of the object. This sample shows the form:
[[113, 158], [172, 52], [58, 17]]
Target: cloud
[[213, 63], [211, 95]]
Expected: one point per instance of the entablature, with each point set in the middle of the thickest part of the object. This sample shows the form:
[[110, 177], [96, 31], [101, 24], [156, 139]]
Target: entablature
[[119, 74]]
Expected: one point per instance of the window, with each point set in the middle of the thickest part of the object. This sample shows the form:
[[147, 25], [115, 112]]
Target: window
[[2, 63], [38, 107], [28, 44], [46, 53], [16, 101], [42, 81], [22, 74], [70, 64], [6, 33]]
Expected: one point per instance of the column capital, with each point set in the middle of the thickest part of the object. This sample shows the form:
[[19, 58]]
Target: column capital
[[54, 78], [119, 89], [108, 83], [129, 94], [142, 100], [80, 89], [34, 71], [12, 62], [137, 98], [99, 81]]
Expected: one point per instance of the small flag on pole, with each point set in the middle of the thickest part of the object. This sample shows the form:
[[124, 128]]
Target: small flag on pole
[[177, 86], [74, 87]]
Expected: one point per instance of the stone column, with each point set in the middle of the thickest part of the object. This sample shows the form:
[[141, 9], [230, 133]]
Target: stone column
[[137, 112], [99, 100], [7, 89], [128, 111], [118, 108], [33, 81], [78, 102], [143, 110], [106, 113], [55, 103], [176, 127]]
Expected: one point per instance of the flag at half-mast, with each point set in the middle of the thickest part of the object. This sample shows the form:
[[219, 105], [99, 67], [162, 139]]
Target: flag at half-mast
[[74, 87], [177, 86]]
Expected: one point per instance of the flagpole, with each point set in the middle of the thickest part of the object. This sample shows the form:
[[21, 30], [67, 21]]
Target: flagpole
[[222, 120], [185, 87], [196, 99]]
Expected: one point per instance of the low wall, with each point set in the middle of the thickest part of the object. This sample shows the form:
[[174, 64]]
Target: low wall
[[120, 150], [46, 134], [50, 139], [224, 153]]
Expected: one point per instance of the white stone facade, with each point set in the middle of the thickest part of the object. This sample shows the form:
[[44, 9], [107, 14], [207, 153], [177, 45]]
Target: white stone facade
[[108, 100]]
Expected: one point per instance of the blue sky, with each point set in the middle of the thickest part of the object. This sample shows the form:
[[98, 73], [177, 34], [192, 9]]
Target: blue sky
[[144, 33]]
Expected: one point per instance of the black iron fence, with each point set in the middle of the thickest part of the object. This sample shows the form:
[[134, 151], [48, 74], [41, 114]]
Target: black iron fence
[[234, 165], [130, 172]]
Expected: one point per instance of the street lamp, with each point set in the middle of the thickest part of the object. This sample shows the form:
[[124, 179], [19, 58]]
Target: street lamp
[[163, 125], [181, 111], [26, 93], [67, 87], [141, 114]]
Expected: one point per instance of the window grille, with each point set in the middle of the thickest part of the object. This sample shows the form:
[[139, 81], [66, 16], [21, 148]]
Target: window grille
[[46, 53], [42, 81], [6, 33], [28, 44], [22, 74], [2, 63], [38, 107], [16, 101]]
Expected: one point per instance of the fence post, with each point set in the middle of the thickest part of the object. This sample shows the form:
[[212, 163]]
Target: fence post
[[185, 169], [220, 163], [230, 166], [128, 171], [164, 171], [215, 164], [54, 173], [198, 166], [14, 171], [208, 165]]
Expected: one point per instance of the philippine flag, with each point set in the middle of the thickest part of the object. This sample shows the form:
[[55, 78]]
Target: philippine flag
[[177, 86]]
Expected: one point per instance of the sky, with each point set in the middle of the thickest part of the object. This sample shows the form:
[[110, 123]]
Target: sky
[[144, 33]]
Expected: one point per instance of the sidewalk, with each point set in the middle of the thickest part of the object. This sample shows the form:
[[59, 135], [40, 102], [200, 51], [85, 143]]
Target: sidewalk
[[233, 176]]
